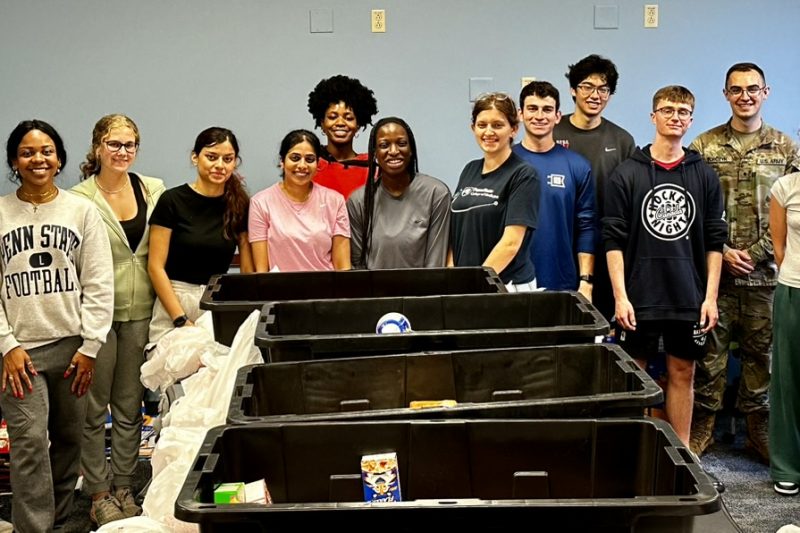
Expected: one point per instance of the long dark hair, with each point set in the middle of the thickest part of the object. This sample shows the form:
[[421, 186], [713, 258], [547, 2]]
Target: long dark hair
[[374, 180], [236, 198]]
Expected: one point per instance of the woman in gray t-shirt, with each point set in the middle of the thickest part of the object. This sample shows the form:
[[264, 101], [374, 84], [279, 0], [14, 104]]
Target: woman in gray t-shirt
[[401, 219]]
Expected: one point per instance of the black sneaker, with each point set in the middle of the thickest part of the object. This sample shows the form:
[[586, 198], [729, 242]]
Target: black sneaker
[[786, 488]]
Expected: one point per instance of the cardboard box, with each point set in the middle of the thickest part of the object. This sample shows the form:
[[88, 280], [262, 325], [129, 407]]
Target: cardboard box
[[381, 478], [229, 493], [257, 492]]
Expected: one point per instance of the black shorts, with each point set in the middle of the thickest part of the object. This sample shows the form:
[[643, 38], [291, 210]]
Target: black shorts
[[682, 339]]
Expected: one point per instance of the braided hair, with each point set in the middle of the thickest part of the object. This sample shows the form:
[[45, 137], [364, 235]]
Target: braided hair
[[373, 185]]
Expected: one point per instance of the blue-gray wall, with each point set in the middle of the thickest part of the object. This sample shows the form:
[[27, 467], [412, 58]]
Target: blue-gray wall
[[177, 66]]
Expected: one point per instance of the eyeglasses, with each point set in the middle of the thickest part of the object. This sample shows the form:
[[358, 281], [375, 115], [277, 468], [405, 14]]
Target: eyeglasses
[[752, 90], [669, 112], [116, 146], [586, 89]]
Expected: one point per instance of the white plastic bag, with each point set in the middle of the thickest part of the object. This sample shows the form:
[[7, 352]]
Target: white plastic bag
[[142, 524], [179, 353], [203, 406], [176, 444]]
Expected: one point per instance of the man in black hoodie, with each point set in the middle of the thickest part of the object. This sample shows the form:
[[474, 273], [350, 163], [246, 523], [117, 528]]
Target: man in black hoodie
[[664, 229]]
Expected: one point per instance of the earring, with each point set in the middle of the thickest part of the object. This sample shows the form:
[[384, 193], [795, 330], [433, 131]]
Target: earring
[[16, 173]]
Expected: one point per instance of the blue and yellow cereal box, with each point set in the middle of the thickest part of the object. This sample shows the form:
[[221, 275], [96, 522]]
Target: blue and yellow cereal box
[[381, 477]]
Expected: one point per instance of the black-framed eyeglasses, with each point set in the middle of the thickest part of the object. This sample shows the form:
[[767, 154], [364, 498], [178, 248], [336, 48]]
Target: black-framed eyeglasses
[[586, 89], [116, 146], [752, 90], [669, 112]]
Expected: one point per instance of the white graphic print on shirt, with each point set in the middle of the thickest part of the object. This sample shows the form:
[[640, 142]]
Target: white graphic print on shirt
[[668, 211]]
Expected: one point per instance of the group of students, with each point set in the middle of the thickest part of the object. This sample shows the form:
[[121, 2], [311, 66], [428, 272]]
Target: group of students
[[95, 276], [89, 286]]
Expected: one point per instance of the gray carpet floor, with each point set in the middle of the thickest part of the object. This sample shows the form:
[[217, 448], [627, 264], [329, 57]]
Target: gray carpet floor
[[752, 503]]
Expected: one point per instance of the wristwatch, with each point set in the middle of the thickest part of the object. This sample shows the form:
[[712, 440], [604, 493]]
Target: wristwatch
[[180, 321], [588, 278]]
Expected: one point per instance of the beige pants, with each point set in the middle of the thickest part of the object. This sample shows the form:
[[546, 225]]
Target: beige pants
[[523, 287], [189, 297]]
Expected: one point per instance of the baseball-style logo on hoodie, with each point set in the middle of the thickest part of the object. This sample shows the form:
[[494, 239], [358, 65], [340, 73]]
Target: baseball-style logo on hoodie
[[665, 221], [668, 212]]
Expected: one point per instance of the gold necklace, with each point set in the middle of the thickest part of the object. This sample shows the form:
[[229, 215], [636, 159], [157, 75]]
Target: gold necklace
[[97, 182], [37, 199]]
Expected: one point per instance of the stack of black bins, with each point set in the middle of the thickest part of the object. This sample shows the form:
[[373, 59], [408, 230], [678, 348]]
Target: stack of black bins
[[548, 428], [232, 297]]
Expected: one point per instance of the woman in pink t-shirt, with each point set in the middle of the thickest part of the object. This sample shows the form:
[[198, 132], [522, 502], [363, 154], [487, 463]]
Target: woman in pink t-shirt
[[296, 224]]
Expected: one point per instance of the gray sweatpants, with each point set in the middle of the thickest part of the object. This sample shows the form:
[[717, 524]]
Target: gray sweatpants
[[116, 383], [43, 480]]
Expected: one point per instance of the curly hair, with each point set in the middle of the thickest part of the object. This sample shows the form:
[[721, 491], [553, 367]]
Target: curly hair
[[341, 88], [236, 198], [101, 130], [372, 185], [593, 64]]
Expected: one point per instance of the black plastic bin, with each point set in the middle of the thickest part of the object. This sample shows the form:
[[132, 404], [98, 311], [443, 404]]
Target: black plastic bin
[[318, 329], [457, 475], [231, 297], [574, 381]]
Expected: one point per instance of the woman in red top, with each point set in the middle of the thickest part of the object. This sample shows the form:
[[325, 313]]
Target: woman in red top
[[341, 106]]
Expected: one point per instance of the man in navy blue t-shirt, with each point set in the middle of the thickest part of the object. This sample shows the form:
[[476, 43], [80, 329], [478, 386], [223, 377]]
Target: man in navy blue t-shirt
[[563, 247]]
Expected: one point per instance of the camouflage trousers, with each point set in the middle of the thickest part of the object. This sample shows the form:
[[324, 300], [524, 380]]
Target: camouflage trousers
[[745, 317]]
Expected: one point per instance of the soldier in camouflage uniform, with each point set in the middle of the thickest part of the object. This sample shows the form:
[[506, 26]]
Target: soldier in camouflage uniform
[[749, 156]]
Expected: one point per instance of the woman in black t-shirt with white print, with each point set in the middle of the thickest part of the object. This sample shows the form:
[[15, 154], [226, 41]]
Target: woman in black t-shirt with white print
[[495, 206]]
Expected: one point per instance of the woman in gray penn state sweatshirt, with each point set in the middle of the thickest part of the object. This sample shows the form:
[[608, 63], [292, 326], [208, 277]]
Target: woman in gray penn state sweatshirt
[[57, 297]]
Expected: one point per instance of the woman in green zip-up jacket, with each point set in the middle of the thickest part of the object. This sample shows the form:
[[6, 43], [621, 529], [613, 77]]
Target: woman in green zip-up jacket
[[125, 201]]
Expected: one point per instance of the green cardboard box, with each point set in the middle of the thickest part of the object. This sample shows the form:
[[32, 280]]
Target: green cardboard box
[[229, 493]]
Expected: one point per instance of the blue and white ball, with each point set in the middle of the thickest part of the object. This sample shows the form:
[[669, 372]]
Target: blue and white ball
[[393, 323]]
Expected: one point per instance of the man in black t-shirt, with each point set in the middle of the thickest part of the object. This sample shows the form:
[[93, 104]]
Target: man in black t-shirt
[[592, 81]]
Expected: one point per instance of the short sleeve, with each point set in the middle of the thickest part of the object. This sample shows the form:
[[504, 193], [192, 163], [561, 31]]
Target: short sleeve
[[523, 198], [164, 211], [342, 222], [258, 219], [778, 191]]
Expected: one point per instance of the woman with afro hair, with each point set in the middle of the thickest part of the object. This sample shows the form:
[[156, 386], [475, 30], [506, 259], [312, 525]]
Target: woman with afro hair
[[341, 106]]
